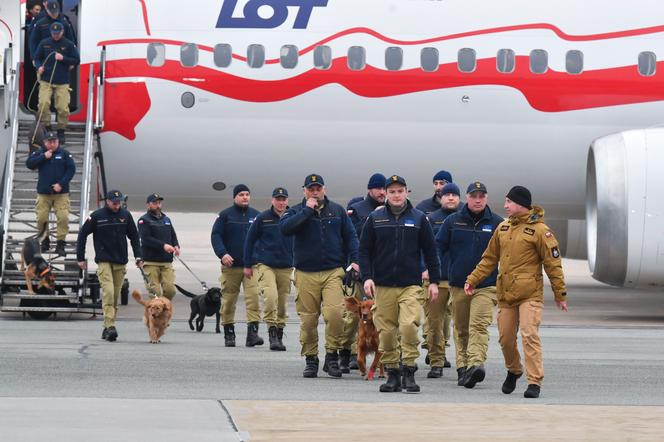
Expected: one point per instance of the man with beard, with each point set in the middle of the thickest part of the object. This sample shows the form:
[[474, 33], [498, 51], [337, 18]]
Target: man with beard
[[159, 243]]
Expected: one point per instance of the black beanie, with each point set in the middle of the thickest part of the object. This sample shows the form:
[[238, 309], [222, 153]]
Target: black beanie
[[240, 188], [521, 196]]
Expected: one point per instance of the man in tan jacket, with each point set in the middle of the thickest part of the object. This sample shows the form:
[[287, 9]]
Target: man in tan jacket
[[521, 246]]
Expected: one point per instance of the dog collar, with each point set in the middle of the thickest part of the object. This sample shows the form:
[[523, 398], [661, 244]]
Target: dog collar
[[45, 271]]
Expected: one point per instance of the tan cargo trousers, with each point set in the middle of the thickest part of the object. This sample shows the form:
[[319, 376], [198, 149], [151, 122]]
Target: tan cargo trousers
[[436, 314], [275, 285], [111, 277], [231, 279], [60, 203], [161, 276], [62, 97], [397, 318], [472, 317]]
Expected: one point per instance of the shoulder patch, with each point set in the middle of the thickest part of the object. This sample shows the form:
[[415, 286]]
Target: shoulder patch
[[555, 252], [350, 211], [548, 234], [140, 221], [504, 228], [529, 231]]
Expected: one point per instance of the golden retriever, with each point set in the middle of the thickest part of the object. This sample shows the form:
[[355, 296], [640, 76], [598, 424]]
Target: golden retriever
[[157, 316]]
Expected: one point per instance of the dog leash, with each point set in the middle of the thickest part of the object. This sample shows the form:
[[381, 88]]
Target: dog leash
[[203, 284]]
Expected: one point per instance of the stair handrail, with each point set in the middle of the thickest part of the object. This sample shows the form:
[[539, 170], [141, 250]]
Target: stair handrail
[[13, 95], [88, 156], [99, 121]]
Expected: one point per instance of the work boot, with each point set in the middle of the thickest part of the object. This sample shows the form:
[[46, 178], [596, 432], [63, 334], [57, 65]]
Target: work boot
[[461, 376], [409, 385], [427, 360], [353, 362], [45, 245], [111, 334], [510, 382], [61, 137], [474, 375], [252, 335], [60, 248], [344, 360], [229, 335], [447, 364], [393, 383], [280, 337], [274, 339], [104, 334], [331, 365], [311, 367], [532, 392], [435, 372]]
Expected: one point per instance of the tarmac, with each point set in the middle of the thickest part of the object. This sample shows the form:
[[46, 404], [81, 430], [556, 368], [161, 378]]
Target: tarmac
[[59, 380]]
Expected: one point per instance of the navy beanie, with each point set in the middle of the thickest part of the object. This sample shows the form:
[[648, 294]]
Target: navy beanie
[[451, 188], [443, 175], [377, 181], [521, 196], [240, 188]]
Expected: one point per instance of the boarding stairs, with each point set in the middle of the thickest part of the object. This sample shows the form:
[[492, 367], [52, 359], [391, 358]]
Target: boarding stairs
[[19, 219]]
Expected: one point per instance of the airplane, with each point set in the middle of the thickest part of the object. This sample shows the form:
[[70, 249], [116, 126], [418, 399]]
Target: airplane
[[560, 96]]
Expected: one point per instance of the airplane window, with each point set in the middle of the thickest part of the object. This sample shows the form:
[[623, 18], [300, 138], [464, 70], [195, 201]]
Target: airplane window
[[393, 58], [539, 61], [647, 64], [289, 56], [505, 61], [356, 58], [574, 62], [323, 57], [256, 56], [223, 54], [466, 60], [429, 59], [189, 55], [156, 54]]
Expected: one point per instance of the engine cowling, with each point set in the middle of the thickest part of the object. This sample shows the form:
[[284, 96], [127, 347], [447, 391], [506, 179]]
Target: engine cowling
[[625, 208]]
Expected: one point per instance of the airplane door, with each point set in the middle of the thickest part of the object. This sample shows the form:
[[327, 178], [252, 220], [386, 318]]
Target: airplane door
[[10, 33]]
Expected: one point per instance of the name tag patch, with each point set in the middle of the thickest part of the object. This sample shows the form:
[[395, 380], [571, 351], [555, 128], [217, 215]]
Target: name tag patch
[[504, 228], [529, 231], [487, 228]]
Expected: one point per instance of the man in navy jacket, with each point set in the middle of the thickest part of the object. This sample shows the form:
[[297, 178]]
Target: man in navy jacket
[[462, 240], [228, 234], [324, 242]]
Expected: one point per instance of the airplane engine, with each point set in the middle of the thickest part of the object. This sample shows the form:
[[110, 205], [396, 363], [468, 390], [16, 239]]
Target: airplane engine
[[625, 208]]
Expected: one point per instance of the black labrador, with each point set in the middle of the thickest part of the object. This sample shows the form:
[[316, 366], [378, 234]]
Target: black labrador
[[204, 305]]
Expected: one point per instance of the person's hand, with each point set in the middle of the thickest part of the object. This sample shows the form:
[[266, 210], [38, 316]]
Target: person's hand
[[227, 260], [355, 267], [433, 292], [562, 305], [248, 272], [425, 275], [176, 250], [139, 263], [469, 289], [169, 248], [58, 56], [370, 288], [48, 154], [312, 203], [40, 71], [83, 265], [57, 188]]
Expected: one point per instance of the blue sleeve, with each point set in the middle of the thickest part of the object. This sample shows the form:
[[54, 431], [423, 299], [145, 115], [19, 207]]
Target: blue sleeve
[[38, 53], [35, 40], [217, 237], [250, 242], [72, 58], [35, 159], [349, 234], [443, 238], [70, 169], [145, 234], [87, 229], [293, 220], [367, 241], [357, 222], [430, 255], [132, 234]]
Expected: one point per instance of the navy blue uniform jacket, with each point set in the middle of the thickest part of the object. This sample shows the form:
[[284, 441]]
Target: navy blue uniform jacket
[[70, 57], [390, 248], [360, 210], [429, 205], [324, 240], [437, 219], [265, 244], [154, 233], [40, 29], [230, 230], [464, 240], [60, 168], [110, 232]]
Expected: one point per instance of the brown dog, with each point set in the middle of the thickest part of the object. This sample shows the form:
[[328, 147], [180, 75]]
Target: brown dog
[[157, 316], [34, 265], [367, 337]]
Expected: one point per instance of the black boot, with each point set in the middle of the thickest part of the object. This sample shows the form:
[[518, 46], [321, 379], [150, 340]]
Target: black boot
[[393, 383], [274, 339], [532, 392], [111, 334], [229, 335], [60, 248], [311, 367], [331, 365], [344, 360], [353, 363], [45, 245], [280, 337], [104, 334], [61, 137], [510, 382], [461, 376], [447, 364], [435, 372], [252, 335], [409, 385], [474, 375]]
